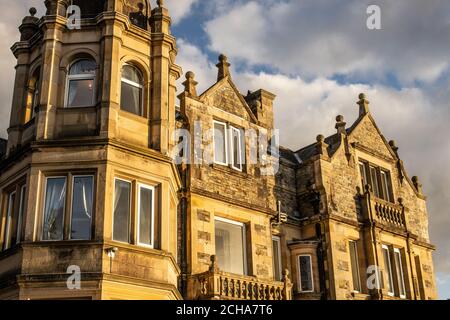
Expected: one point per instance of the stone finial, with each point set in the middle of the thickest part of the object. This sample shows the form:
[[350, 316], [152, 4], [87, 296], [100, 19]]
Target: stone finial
[[214, 266], [417, 184], [160, 3], [363, 105], [33, 11], [393, 145], [224, 67], [321, 146], [190, 85], [340, 125]]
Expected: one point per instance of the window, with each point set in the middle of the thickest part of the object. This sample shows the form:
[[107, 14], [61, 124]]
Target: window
[[276, 245], [145, 215], [132, 88], [229, 138], [388, 270], [220, 143], [399, 271], [21, 217], [305, 274], [55, 199], [355, 266], [9, 220], [33, 95], [378, 178], [81, 84], [122, 210], [82, 205], [230, 246], [61, 220]]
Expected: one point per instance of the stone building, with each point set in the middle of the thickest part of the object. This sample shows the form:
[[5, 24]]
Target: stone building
[[98, 200]]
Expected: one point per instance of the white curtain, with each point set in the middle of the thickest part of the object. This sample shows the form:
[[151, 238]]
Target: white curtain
[[54, 209], [86, 194]]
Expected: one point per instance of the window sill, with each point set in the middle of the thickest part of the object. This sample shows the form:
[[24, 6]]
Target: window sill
[[133, 116], [228, 169]]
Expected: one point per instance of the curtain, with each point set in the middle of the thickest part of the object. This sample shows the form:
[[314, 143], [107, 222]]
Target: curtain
[[54, 209], [86, 187]]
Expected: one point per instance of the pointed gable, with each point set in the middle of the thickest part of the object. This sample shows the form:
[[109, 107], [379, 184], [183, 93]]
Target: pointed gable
[[225, 96]]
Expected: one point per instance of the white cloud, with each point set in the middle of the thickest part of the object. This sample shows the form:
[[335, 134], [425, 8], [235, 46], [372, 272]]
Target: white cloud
[[179, 9], [323, 38]]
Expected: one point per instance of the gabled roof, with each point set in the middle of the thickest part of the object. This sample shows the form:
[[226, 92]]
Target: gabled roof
[[227, 80]]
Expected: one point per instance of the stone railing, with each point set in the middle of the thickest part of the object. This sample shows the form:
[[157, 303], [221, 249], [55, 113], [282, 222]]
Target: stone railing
[[218, 285], [389, 213]]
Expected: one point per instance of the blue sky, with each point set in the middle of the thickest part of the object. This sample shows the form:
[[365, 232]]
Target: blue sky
[[317, 56]]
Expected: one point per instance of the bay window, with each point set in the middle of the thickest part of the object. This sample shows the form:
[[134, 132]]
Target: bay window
[[132, 90], [68, 201], [229, 145], [230, 246], [305, 272], [80, 88], [125, 212]]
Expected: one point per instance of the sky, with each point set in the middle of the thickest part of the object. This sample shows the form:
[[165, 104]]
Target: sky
[[317, 56]]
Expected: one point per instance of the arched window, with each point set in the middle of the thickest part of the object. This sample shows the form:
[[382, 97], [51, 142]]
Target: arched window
[[81, 84], [132, 89]]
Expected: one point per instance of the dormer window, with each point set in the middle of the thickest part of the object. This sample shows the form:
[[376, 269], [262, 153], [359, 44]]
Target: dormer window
[[81, 84], [229, 146], [378, 178]]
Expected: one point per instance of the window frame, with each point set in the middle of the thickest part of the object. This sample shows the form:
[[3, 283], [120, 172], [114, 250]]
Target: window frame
[[135, 85], [244, 239], [80, 77], [400, 277], [9, 219], [20, 217], [44, 206], [232, 146], [300, 289], [225, 133], [376, 182], [129, 212], [355, 268], [277, 239], [138, 209], [388, 270], [73, 176]]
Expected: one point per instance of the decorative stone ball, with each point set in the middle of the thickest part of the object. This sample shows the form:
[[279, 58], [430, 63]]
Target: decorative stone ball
[[362, 96], [320, 138], [33, 11], [190, 75], [340, 118]]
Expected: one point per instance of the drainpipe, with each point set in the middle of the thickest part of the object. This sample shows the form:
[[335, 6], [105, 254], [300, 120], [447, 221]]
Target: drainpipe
[[321, 260], [183, 219]]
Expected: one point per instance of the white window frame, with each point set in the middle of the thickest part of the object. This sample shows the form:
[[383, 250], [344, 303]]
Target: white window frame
[[401, 281], [355, 243], [300, 273], [134, 84], [244, 238], [388, 270], [93, 202], [225, 132], [129, 212], [20, 217], [280, 266], [8, 225], [78, 77], [144, 186], [64, 207], [232, 130]]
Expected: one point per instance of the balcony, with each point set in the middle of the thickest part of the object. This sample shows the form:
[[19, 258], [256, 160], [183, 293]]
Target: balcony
[[218, 285], [383, 212]]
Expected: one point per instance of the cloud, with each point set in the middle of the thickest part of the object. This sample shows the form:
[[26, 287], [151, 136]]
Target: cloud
[[323, 38], [179, 9], [416, 118]]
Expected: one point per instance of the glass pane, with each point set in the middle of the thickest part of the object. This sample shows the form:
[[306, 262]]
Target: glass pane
[[81, 93], [122, 195], [82, 208], [388, 270], [9, 216], [219, 143], [145, 216], [55, 199], [400, 277], [306, 280], [131, 99], [362, 169], [236, 149], [230, 247], [21, 214], [132, 74], [83, 67], [373, 177], [276, 259], [355, 266]]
